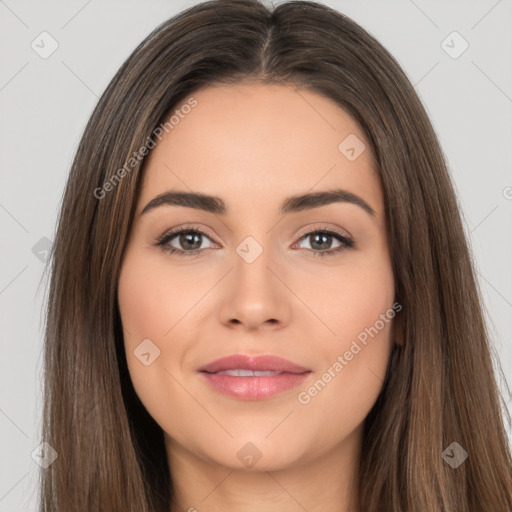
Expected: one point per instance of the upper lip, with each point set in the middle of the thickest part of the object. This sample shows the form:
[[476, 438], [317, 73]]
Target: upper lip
[[254, 363]]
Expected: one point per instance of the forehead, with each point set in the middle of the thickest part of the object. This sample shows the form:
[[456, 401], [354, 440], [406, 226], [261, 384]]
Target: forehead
[[250, 141]]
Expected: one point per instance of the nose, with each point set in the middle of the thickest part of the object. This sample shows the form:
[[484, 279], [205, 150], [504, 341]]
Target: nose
[[255, 295]]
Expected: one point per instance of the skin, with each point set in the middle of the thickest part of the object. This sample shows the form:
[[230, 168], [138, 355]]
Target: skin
[[254, 145]]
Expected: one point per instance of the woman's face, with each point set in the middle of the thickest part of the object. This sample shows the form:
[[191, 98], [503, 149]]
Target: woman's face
[[265, 280]]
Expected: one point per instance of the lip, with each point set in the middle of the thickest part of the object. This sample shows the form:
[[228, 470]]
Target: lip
[[255, 363], [254, 387]]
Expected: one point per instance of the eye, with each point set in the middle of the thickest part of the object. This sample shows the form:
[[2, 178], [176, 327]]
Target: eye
[[322, 239], [188, 241]]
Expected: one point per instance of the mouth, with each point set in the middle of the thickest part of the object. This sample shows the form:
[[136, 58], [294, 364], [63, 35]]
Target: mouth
[[241, 372], [253, 378]]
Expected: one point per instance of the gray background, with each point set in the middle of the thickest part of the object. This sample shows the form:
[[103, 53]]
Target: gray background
[[45, 104]]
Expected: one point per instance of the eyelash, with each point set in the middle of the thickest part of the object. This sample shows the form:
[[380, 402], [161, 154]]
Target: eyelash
[[162, 241]]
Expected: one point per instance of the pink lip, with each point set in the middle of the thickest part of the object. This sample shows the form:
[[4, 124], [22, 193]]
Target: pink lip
[[254, 388], [258, 363]]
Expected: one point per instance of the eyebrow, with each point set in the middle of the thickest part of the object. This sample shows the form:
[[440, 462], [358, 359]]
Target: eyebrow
[[298, 203]]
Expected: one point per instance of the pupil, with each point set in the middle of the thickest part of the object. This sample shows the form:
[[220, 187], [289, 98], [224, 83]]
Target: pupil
[[189, 239], [323, 238]]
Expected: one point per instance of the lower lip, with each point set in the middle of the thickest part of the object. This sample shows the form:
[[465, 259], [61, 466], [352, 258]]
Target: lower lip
[[254, 388]]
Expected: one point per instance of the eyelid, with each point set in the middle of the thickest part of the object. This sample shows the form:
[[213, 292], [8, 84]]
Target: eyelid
[[322, 226], [171, 233]]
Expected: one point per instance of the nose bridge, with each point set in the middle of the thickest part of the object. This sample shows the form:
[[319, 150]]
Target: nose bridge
[[254, 260], [255, 294]]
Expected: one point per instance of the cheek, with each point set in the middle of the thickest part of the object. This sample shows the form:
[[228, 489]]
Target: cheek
[[152, 300], [358, 308], [154, 304], [138, 303], [367, 297], [350, 299], [146, 309]]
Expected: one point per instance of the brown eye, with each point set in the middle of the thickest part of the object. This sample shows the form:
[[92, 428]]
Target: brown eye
[[321, 241], [186, 242]]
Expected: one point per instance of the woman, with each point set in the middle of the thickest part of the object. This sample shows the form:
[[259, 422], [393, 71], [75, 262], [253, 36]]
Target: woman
[[244, 372]]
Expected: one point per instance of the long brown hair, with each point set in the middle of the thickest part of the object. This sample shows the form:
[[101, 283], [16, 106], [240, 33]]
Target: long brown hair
[[440, 387]]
